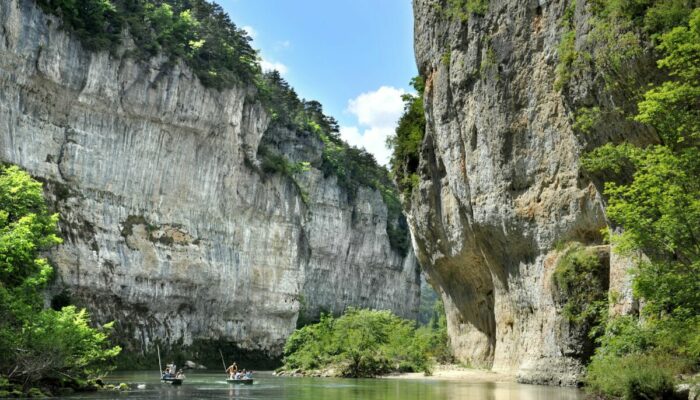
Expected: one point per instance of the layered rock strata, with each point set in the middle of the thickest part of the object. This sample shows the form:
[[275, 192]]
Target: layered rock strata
[[170, 227]]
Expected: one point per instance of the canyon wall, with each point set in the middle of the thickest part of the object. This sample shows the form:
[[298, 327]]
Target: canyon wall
[[171, 229], [501, 190]]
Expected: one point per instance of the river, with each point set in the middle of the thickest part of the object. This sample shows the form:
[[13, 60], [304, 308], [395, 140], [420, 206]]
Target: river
[[213, 386]]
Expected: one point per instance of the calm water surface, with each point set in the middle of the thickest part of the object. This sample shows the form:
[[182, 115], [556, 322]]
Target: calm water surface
[[267, 386]]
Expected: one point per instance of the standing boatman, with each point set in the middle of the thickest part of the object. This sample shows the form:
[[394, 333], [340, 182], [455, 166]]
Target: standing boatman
[[231, 370]]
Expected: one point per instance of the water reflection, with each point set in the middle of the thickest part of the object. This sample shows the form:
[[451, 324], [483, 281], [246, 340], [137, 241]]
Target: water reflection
[[213, 386]]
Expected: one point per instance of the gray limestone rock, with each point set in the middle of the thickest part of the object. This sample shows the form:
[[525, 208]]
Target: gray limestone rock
[[501, 184], [169, 228]]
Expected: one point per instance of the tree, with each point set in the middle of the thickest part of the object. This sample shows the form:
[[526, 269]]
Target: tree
[[360, 343], [408, 138], [654, 195], [36, 343]]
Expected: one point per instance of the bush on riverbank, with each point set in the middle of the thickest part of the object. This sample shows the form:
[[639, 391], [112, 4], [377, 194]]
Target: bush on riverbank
[[634, 376], [38, 346], [362, 343]]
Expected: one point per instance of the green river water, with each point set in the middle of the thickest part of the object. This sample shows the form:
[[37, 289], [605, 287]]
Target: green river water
[[267, 386]]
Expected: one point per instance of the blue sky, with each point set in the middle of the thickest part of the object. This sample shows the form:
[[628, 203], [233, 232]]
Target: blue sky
[[354, 56]]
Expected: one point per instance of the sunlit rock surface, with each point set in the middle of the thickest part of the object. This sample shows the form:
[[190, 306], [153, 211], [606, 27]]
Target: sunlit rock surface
[[501, 186], [169, 229]]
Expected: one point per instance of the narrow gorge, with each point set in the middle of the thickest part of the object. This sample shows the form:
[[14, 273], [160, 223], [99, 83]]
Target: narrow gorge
[[541, 176], [173, 225]]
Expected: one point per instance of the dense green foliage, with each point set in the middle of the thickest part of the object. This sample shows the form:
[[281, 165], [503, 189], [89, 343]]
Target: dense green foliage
[[363, 343], [353, 167], [654, 195], [462, 9], [196, 31], [581, 282], [433, 335], [37, 344], [405, 144]]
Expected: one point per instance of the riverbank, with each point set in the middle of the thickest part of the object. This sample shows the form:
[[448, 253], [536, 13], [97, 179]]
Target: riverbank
[[455, 372]]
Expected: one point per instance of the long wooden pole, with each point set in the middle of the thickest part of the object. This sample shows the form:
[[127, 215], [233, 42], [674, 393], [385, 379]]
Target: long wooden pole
[[222, 360], [160, 366]]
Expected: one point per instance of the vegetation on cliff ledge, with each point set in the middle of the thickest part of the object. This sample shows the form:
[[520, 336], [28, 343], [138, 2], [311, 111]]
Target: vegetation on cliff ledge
[[38, 346], [654, 195], [352, 167], [406, 142], [365, 343]]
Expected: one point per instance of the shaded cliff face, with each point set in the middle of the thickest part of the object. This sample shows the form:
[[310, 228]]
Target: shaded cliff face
[[501, 187], [170, 229]]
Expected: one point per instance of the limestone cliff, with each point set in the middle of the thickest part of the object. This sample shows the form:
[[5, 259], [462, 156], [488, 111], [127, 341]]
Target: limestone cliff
[[501, 187], [170, 227]]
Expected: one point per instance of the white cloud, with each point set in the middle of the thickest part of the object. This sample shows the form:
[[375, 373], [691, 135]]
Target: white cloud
[[267, 65], [381, 108], [377, 113], [250, 31]]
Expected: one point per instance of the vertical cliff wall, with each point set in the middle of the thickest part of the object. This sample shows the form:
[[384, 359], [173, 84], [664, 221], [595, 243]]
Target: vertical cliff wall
[[501, 190], [170, 227]]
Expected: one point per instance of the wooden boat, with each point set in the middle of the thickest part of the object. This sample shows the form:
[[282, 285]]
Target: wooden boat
[[242, 381], [239, 381], [172, 381], [167, 379]]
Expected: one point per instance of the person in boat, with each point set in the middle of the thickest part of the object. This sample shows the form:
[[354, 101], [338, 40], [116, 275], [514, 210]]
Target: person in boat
[[180, 375], [231, 370], [238, 375], [248, 375]]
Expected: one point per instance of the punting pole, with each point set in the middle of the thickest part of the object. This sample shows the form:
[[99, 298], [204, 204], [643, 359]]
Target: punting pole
[[160, 366], [222, 360]]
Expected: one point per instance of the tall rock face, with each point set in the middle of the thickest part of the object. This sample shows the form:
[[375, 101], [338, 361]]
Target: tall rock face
[[170, 227], [501, 187]]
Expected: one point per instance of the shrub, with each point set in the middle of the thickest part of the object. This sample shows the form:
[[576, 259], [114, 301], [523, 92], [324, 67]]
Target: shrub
[[461, 9], [579, 278], [360, 343], [633, 376]]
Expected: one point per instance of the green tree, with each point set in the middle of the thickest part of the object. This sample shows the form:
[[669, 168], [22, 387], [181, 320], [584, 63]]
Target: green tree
[[360, 343], [654, 195], [37, 343], [405, 144]]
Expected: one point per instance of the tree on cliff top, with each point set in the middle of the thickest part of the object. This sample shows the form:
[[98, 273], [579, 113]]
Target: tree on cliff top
[[38, 344], [198, 32]]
